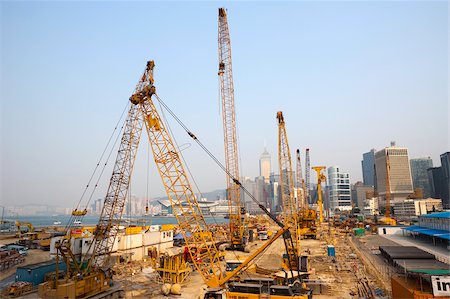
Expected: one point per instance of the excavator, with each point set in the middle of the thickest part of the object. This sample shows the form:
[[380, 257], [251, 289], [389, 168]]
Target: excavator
[[20, 224]]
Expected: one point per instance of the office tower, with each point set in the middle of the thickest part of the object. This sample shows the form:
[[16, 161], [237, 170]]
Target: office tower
[[265, 165], [339, 189], [420, 176], [368, 168], [400, 180], [445, 163], [439, 179]]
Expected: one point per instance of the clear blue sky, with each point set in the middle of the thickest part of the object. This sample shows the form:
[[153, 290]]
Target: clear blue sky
[[349, 76]]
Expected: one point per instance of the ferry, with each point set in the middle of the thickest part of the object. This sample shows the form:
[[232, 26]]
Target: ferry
[[56, 222]]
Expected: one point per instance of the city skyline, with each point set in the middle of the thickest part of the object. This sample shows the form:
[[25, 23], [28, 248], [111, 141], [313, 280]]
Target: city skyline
[[53, 132]]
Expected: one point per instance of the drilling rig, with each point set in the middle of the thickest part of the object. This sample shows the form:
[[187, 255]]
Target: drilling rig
[[238, 226], [320, 178], [307, 216], [291, 209]]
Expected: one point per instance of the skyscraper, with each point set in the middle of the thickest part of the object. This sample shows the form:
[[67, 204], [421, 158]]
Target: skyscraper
[[420, 176], [265, 165], [368, 168], [439, 187], [400, 180], [339, 189], [445, 163], [439, 178]]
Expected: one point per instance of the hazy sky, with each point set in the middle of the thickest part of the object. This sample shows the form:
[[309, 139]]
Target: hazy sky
[[348, 76]]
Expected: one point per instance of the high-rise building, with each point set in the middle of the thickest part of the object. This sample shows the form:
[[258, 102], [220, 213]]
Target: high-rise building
[[420, 176], [339, 189], [445, 163], [265, 165], [368, 168], [275, 193], [439, 186], [400, 181]]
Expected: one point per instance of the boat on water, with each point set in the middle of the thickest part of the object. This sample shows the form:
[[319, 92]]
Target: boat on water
[[56, 222], [77, 222]]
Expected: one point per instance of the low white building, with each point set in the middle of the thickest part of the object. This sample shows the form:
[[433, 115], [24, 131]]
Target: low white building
[[132, 243], [417, 207]]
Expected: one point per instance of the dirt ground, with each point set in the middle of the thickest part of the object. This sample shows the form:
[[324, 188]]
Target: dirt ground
[[339, 276]]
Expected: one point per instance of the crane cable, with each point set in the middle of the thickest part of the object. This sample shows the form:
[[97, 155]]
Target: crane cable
[[98, 164], [214, 158], [166, 123]]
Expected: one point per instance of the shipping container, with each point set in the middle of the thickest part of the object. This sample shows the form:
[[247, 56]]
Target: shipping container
[[36, 273]]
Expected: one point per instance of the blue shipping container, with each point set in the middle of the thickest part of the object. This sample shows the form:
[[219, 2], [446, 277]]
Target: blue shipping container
[[36, 273], [331, 250]]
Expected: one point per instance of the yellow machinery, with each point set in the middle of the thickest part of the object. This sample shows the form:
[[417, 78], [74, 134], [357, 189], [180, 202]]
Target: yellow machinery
[[307, 216], [20, 224], [238, 221], [387, 215], [201, 245], [89, 276], [173, 268], [290, 204], [320, 178]]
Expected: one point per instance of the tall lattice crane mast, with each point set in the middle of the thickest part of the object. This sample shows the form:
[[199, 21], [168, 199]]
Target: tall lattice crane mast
[[106, 230], [307, 177], [236, 211], [290, 206], [303, 204]]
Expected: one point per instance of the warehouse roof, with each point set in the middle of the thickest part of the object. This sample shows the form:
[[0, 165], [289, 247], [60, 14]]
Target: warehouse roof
[[404, 252], [437, 215], [440, 233], [423, 266]]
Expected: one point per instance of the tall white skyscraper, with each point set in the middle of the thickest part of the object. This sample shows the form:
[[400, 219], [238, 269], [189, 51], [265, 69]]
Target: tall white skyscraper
[[265, 165], [339, 189]]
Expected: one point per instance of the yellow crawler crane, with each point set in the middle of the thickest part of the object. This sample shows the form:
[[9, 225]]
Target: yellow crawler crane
[[201, 243], [290, 205], [238, 220], [90, 276]]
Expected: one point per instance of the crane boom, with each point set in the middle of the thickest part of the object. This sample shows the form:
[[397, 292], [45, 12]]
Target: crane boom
[[307, 176], [290, 206], [179, 191], [303, 204], [236, 211]]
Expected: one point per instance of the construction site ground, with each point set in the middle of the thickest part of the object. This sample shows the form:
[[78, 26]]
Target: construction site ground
[[34, 256], [339, 276]]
